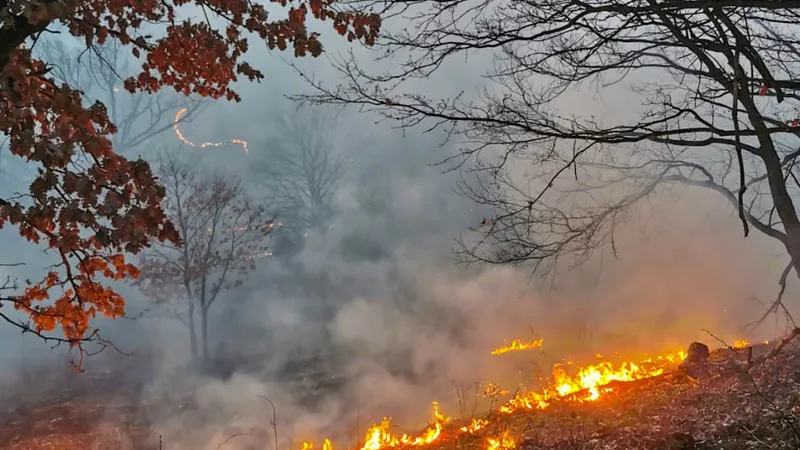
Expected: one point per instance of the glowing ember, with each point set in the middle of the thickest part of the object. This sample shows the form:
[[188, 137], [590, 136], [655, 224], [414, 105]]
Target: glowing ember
[[741, 343], [504, 441], [182, 138], [517, 346]]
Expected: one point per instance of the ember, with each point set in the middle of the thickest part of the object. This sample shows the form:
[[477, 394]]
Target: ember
[[504, 441]]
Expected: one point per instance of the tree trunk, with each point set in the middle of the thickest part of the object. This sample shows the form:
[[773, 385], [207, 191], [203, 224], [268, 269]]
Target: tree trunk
[[204, 332], [192, 333], [13, 36], [784, 205]]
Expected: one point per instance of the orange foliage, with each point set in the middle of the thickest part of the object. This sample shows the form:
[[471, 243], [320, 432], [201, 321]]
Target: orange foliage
[[88, 203]]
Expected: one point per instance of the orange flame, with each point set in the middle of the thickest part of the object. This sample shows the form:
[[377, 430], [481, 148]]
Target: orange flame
[[588, 384], [504, 441], [182, 138], [517, 346], [590, 381], [741, 343], [476, 425]]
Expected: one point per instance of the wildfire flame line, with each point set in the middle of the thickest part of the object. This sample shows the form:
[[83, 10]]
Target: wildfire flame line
[[588, 384], [182, 138]]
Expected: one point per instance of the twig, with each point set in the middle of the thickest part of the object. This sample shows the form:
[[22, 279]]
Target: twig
[[777, 303], [785, 341], [231, 437], [460, 396], [274, 420], [718, 339]]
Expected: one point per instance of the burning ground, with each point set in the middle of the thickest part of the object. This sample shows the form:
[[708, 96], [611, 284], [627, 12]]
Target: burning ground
[[645, 404]]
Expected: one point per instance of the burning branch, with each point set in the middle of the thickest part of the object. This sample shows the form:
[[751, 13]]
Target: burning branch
[[518, 345]]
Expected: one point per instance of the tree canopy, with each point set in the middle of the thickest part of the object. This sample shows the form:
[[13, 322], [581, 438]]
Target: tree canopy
[[712, 93], [88, 203]]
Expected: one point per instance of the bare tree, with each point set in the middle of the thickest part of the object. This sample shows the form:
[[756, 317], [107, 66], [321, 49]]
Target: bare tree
[[223, 234], [99, 71], [718, 81], [299, 168]]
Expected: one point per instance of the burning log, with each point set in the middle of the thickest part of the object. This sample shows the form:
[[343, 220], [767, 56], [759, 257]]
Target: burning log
[[696, 364]]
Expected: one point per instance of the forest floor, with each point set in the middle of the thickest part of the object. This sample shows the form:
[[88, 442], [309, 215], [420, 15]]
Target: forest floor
[[731, 409]]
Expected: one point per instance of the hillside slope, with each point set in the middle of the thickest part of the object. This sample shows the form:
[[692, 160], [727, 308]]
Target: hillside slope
[[729, 409]]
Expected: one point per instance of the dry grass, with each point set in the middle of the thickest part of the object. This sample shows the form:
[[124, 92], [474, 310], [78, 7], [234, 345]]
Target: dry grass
[[731, 410]]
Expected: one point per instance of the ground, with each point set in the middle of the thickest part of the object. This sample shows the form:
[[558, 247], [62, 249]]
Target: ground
[[731, 409]]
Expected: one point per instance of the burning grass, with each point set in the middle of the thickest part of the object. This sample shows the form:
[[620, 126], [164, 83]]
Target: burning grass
[[644, 404], [631, 405], [586, 384]]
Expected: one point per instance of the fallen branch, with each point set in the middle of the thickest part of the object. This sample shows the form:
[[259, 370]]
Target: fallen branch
[[783, 343]]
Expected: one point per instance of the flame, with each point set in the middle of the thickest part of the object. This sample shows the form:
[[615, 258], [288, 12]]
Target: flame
[[741, 343], [504, 441], [379, 436], [326, 445], [517, 345], [494, 390], [589, 383], [476, 425], [182, 138]]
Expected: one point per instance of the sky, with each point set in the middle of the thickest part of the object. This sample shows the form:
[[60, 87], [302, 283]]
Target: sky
[[408, 320]]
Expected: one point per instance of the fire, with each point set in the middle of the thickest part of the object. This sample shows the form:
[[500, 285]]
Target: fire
[[326, 445], [504, 441], [588, 384], [380, 435], [182, 138], [476, 425], [741, 343], [517, 345]]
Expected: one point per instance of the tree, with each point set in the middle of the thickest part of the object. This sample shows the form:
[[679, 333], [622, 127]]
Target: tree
[[99, 74], [223, 234], [87, 203], [299, 170], [719, 83]]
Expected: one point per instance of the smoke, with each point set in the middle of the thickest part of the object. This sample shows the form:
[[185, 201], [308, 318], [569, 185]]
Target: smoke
[[373, 317], [409, 326]]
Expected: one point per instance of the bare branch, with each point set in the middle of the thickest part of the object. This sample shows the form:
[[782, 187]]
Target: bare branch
[[719, 83], [223, 234]]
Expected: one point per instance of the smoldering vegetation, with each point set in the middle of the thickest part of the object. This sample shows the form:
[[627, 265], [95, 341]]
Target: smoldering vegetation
[[362, 311]]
